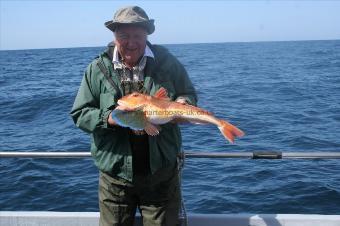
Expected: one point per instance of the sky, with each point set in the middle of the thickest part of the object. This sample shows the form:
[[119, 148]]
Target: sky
[[78, 23]]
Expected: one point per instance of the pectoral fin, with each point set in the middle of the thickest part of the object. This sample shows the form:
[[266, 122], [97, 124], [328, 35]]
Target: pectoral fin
[[133, 119], [151, 129]]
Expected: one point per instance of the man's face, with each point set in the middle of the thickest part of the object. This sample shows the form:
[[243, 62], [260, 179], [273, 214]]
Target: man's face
[[131, 43]]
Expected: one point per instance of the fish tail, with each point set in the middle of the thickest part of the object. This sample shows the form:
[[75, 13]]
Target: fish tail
[[230, 131]]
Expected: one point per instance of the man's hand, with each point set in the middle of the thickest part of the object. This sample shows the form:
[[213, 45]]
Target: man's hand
[[181, 100], [110, 121]]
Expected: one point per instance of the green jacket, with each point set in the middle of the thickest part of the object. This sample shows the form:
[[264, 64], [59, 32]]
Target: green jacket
[[96, 98]]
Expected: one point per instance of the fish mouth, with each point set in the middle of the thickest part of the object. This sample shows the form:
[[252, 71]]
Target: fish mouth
[[124, 104], [121, 103]]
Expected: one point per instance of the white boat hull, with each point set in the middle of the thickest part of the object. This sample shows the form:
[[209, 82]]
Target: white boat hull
[[47, 218]]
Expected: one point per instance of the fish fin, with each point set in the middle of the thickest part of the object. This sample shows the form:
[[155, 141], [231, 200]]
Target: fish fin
[[151, 129], [132, 119], [230, 131], [161, 94], [116, 115]]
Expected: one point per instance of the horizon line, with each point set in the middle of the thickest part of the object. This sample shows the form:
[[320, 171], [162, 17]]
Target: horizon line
[[183, 43]]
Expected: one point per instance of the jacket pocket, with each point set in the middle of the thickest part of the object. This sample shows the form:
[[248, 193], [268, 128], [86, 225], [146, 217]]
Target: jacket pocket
[[105, 139]]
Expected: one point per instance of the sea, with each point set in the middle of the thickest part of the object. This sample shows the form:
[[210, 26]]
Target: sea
[[284, 95]]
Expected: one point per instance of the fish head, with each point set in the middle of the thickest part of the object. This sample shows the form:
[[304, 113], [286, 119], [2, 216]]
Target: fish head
[[134, 101]]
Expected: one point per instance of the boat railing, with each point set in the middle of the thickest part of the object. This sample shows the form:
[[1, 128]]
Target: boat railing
[[14, 218], [184, 154]]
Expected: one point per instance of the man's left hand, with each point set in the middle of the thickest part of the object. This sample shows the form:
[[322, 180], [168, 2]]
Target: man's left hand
[[181, 100]]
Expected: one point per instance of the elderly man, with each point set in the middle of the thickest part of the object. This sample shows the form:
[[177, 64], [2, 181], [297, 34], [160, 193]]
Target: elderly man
[[136, 170]]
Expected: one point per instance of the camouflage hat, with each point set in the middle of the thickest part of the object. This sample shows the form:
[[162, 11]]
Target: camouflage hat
[[131, 15]]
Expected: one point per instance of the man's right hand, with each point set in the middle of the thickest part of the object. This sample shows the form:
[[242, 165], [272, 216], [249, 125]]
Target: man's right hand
[[110, 121]]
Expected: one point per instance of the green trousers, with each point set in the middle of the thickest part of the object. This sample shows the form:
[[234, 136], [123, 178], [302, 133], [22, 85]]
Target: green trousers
[[156, 196]]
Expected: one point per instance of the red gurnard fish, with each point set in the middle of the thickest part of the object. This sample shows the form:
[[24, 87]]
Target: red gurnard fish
[[141, 111]]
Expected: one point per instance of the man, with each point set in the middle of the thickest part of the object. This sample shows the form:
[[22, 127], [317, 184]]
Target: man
[[136, 170]]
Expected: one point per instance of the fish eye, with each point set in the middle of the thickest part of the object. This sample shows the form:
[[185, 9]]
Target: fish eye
[[135, 95]]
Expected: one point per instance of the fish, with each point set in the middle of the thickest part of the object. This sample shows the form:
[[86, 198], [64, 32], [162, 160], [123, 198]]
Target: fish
[[140, 111]]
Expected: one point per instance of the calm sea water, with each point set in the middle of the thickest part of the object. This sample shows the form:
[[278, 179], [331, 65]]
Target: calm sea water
[[284, 95]]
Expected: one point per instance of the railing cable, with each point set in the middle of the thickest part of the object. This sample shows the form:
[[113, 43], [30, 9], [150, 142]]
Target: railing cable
[[187, 154]]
